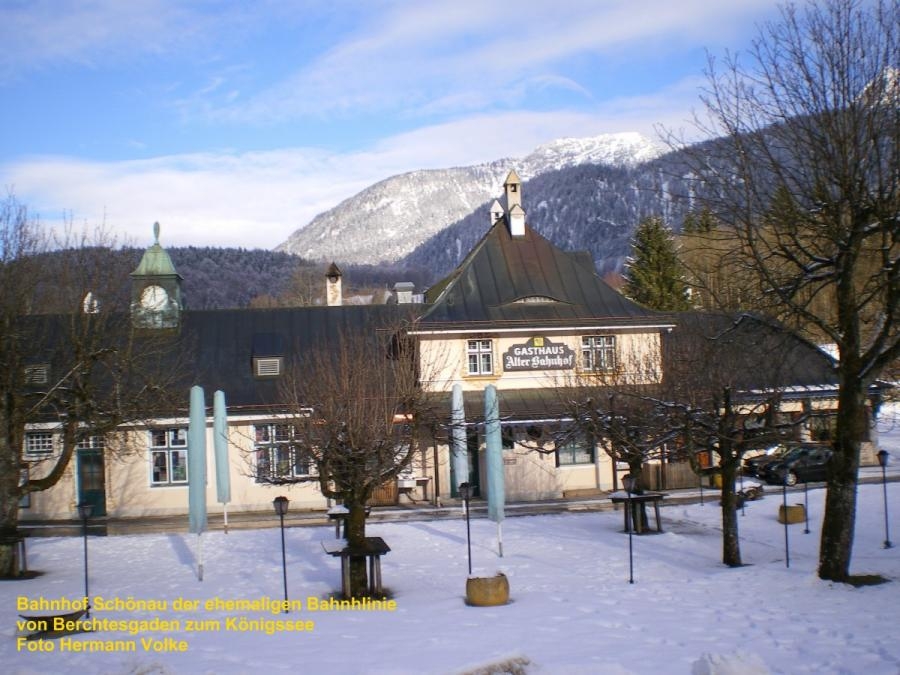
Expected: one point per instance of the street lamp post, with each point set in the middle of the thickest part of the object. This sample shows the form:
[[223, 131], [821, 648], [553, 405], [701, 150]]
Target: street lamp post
[[806, 505], [281, 507], [465, 492], [84, 512], [628, 483], [882, 461], [787, 549]]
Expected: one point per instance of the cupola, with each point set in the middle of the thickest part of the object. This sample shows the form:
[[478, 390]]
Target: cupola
[[156, 298]]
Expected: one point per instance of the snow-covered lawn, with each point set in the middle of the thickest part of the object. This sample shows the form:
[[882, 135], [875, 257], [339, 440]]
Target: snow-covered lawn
[[572, 609]]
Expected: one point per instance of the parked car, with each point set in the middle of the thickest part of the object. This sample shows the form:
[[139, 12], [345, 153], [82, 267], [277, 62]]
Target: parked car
[[753, 466], [802, 464]]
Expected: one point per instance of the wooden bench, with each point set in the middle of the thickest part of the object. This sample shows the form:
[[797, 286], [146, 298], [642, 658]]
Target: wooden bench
[[372, 549]]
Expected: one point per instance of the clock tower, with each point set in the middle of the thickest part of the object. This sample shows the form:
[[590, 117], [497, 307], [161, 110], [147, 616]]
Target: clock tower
[[156, 300]]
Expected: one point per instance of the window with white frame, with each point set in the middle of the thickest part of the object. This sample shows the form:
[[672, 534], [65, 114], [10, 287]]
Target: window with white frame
[[168, 456], [598, 352], [277, 458], [37, 374], [92, 442], [480, 356], [38, 444], [575, 450]]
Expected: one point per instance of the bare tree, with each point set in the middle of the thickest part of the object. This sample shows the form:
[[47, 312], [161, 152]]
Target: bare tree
[[68, 360], [624, 422], [613, 406], [724, 396], [356, 407], [716, 273], [807, 173]]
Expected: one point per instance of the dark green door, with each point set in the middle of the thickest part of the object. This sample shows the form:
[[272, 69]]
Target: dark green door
[[92, 481]]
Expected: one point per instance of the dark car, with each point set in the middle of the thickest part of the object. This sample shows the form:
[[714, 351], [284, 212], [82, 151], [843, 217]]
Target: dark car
[[753, 466], [802, 464]]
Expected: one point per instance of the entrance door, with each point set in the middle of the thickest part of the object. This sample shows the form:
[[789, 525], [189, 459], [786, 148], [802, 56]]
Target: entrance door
[[92, 481]]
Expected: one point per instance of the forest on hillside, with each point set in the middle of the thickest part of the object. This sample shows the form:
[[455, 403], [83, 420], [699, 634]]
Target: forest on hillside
[[225, 278], [590, 207]]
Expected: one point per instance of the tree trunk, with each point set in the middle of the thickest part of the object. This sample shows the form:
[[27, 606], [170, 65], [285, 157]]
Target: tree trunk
[[9, 490], [635, 469], [8, 529], [731, 543], [838, 524], [356, 537]]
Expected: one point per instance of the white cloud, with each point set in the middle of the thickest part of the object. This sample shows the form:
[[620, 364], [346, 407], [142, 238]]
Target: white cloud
[[430, 56], [479, 68], [42, 32]]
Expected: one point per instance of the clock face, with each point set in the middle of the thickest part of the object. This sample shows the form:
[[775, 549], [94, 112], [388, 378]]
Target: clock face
[[154, 298]]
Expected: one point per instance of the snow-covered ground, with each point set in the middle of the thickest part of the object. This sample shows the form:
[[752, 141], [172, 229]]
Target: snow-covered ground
[[572, 609]]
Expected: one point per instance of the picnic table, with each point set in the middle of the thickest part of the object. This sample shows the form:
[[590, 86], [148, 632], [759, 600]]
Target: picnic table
[[638, 503], [372, 549]]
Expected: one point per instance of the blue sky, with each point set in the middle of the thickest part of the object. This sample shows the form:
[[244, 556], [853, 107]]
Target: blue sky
[[234, 123]]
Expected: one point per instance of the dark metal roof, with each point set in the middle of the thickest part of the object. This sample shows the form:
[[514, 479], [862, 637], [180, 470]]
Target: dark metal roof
[[489, 286], [524, 405], [749, 352], [215, 349], [223, 343]]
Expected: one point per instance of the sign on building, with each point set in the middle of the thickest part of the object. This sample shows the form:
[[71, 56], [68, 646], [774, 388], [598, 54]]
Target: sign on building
[[539, 353]]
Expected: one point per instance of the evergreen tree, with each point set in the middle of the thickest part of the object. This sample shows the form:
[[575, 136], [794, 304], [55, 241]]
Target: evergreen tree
[[654, 275]]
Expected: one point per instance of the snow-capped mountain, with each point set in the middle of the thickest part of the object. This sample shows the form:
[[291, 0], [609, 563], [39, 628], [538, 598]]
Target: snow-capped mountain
[[389, 219]]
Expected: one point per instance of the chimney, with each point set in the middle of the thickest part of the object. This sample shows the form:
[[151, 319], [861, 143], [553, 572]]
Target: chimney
[[403, 291], [333, 294], [516, 214], [517, 221], [496, 212]]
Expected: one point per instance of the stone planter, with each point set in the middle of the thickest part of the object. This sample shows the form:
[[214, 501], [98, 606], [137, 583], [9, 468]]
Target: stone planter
[[795, 513], [487, 591]]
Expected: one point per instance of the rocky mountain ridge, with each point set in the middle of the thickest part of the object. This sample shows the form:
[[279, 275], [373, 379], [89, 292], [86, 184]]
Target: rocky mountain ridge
[[387, 221]]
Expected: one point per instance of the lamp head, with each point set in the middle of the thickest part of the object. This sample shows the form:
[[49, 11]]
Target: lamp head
[[85, 511], [628, 482], [281, 505], [465, 491], [882, 458]]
